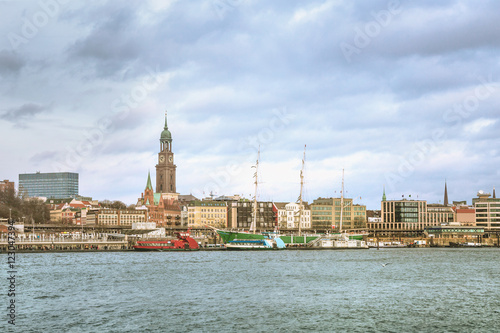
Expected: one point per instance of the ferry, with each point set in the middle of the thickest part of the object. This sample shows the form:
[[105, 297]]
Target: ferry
[[184, 242]]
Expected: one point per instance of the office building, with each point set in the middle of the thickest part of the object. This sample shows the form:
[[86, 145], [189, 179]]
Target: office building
[[487, 211], [56, 185]]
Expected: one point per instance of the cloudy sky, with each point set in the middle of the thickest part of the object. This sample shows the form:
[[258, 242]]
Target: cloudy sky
[[401, 94]]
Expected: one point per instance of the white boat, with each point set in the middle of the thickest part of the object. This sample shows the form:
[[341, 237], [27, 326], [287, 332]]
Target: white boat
[[338, 241], [256, 244]]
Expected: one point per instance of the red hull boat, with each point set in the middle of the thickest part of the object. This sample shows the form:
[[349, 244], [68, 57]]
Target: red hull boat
[[184, 242]]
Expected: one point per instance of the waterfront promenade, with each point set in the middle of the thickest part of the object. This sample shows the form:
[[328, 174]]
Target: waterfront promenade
[[65, 242]]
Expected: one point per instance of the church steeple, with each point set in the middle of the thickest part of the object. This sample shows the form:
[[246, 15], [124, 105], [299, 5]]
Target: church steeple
[[445, 202], [165, 169], [384, 197], [494, 195], [149, 186], [166, 137]]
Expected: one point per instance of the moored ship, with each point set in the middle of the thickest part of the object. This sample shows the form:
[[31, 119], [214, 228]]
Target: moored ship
[[184, 242], [256, 244]]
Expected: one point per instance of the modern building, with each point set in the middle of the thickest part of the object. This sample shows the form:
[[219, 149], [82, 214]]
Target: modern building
[[325, 214], [241, 215], [487, 211], [55, 185], [410, 216], [6, 185], [207, 213], [440, 214]]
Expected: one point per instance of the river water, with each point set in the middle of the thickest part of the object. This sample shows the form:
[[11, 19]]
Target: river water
[[420, 290]]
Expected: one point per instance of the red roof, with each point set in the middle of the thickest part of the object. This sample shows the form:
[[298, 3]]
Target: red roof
[[466, 211], [77, 206]]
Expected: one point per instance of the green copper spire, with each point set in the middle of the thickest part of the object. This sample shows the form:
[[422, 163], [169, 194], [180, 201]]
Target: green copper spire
[[149, 186], [384, 197], [445, 202], [166, 135]]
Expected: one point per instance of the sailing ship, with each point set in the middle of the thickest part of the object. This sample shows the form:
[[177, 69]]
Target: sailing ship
[[252, 240], [342, 239]]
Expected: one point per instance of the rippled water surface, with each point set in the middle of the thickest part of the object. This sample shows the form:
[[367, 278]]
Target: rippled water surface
[[421, 290]]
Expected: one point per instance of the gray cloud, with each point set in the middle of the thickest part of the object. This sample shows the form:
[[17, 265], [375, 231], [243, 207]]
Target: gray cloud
[[223, 73], [10, 62], [19, 115]]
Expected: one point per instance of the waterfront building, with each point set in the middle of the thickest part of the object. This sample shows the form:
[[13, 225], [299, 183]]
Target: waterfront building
[[240, 215], [71, 211], [49, 185], [374, 220], [163, 204], [7, 185], [455, 231], [325, 214], [282, 215], [163, 208], [207, 213], [290, 213], [487, 211], [466, 216], [410, 216], [440, 214], [120, 217]]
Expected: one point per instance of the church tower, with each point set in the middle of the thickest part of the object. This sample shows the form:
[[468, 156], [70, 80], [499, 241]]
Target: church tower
[[165, 169]]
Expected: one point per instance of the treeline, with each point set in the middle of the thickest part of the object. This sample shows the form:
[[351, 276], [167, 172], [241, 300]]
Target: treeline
[[115, 205], [29, 208]]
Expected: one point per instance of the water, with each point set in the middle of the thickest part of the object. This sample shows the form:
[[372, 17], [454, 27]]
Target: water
[[421, 290]]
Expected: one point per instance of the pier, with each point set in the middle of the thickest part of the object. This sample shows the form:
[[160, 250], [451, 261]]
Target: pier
[[70, 242]]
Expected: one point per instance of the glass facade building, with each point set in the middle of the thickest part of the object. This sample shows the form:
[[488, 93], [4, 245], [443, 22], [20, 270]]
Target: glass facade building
[[56, 185]]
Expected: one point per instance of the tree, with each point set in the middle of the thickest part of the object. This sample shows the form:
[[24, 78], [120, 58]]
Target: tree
[[112, 204], [30, 207], [118, 205]]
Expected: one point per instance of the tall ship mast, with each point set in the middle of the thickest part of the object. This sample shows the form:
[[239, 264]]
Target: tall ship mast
[[301, 189], [253, 227], [342, 203]]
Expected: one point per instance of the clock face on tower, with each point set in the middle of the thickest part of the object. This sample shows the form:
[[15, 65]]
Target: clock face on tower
[[162, 158], [170, 159]]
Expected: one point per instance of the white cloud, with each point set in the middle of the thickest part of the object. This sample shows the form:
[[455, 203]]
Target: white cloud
[[477, 126]]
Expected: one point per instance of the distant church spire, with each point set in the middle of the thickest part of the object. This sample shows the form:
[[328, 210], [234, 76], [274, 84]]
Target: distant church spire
[[149, 186], [384, 197], [494, 195], [445, 193]]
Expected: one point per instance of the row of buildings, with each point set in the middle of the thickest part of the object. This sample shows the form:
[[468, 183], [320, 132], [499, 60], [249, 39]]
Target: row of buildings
[[413, 216], [165, 207]]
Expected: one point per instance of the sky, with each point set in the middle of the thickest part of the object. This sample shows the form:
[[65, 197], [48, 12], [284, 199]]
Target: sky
[[399, 94]]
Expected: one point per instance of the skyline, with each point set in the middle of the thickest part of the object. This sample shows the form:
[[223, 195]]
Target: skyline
[[398, 94]]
